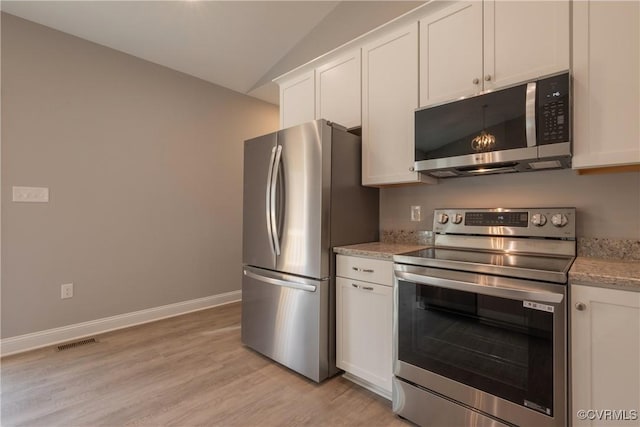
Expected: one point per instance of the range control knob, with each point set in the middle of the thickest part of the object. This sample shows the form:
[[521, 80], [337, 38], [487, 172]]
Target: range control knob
[[559, 220], [443, 218], [457, 218], [538, 220]]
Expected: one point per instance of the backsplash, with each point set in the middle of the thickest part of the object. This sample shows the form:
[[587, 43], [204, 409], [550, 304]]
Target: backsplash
[[623, 249], [606, 205], [594, 247], [410, 237]]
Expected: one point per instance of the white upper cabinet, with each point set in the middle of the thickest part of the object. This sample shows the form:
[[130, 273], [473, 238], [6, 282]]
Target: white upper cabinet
[[606, 83], [330, 91], [338, 90], [451, 53], [475, 46], [296, 100], [524, 40], [459, 49], [389, 98]]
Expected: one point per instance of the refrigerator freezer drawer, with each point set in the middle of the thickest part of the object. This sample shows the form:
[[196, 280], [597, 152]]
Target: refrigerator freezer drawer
[[285, 317]]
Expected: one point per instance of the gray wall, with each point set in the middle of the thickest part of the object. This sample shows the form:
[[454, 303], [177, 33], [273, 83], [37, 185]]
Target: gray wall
[[144, 168], [607, 205]]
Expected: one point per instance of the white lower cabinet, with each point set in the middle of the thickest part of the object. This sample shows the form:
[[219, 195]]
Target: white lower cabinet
[[605, 356], [363, 325]]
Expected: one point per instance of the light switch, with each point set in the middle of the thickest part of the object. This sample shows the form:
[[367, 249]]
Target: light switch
[[415, 213], [31, 194]]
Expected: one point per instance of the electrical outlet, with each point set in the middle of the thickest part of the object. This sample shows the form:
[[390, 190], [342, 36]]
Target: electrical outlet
[[31, 194], [66, 290], [415, 213]]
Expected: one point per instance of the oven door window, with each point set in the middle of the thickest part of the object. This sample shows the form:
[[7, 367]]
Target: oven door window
[[493, 344]]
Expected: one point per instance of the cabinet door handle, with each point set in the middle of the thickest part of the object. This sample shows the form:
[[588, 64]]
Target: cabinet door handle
[[580, 306], [487, 77], [364, 270], [476, 81], [354, 285], [367, 288]]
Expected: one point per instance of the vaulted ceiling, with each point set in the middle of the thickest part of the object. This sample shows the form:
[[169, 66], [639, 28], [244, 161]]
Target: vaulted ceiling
[[240, 45]]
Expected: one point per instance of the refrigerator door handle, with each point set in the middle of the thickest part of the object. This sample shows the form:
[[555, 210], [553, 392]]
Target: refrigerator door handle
[[268, 210], [272, 202], [278, 282]]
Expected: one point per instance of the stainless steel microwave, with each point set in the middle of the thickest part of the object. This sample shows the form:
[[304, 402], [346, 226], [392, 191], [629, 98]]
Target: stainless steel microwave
[[521, 128]]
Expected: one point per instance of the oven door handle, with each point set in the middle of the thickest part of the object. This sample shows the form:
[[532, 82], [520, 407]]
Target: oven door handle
[[491, 290]]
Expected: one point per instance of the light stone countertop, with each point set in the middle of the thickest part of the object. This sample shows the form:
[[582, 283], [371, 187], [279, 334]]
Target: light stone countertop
[[606, 273], [377, 250], [589, 271]]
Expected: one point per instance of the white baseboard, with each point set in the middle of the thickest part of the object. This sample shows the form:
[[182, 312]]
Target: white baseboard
[[49, 337]]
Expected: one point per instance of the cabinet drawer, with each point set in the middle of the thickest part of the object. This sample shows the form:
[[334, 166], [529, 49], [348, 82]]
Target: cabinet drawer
[[367, 269]]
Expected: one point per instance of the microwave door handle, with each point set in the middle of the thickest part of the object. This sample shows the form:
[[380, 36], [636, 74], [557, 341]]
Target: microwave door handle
[[530, 115], [495, 291], [274, 183]]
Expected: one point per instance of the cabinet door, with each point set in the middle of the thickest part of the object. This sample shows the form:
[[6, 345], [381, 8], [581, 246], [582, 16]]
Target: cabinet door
[[363, 330], [524, 40], [338, 90], [297, 104], [605, 351], [606, 86], [389, 99], [451, 53]]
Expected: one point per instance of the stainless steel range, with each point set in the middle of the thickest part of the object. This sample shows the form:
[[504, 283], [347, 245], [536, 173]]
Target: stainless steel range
[[480, 327]]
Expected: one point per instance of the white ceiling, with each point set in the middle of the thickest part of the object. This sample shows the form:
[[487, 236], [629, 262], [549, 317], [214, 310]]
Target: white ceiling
[[230, 43], [241, 45]]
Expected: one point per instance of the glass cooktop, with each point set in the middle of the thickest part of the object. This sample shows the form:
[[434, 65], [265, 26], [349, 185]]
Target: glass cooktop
[[534, 267]]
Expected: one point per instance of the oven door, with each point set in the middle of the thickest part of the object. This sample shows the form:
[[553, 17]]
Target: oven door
[[494, 344]]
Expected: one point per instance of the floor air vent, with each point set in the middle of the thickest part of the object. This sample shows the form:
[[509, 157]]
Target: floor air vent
[[76, 344]]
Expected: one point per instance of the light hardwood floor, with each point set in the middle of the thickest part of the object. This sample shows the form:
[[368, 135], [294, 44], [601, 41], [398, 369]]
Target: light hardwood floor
[[190, 370]]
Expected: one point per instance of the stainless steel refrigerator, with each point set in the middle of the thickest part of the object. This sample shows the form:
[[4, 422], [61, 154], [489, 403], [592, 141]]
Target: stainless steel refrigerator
[[302, 197]]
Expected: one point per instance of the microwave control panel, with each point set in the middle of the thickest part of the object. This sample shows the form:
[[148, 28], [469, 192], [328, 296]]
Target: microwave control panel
[[553, 109]]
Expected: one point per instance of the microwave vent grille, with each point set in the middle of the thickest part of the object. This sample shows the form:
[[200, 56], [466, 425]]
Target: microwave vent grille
[[443, 174], [549, 164]]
